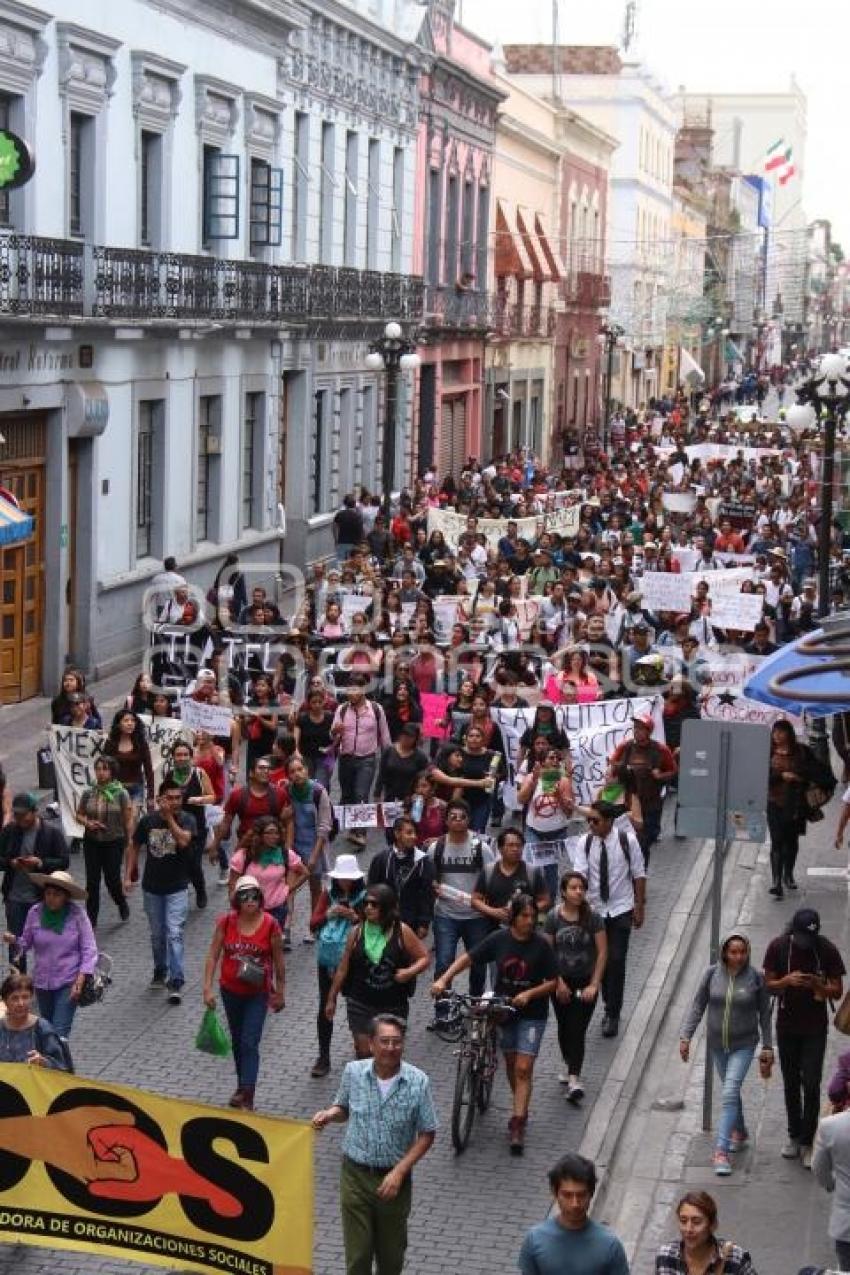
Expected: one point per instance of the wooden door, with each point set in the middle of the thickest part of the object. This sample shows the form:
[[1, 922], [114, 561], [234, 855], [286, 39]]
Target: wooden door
[[22, 565]]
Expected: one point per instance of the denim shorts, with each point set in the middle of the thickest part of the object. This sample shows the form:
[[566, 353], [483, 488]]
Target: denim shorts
[[522, 1035]]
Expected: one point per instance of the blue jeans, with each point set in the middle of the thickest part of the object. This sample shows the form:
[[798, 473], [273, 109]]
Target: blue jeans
[[448, 932], [731, 1066], [57, 1007], [166, 915], [479, 815], [246, 1016], [355, 777], [842, 1252]]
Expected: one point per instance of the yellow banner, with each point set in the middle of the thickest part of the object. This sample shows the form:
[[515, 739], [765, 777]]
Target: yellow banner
[[111, 1170]]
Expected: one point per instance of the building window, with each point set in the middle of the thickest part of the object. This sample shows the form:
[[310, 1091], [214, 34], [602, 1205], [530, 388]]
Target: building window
[[300, 178], [482, 237], [266, 221], [450, 263], [326, 201], [434, 188], [372, 204], [144, 480], [220, 196], [252, 450], [349, 224], [397, 209], [467, 231], [317, 467], [80, 173], [209, 449], [150, 189]]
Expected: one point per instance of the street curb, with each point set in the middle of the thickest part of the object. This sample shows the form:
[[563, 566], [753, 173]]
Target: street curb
[[605, 1126]]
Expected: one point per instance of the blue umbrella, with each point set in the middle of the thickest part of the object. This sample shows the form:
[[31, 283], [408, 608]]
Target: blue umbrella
[[811, 675]]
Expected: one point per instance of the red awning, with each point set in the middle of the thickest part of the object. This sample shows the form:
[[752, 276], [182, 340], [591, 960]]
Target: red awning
[[557, 269], [510, 257], [539, 264]]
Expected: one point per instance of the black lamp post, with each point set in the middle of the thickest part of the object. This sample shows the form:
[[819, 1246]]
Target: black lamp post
[[610, 334], [828, 392], [391, 353]]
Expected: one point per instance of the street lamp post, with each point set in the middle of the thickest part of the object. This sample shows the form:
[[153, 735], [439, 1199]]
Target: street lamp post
[[391, 353], [610, 334]]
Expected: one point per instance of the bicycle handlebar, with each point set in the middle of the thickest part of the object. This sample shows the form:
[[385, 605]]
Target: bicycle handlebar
[[495, 1004]]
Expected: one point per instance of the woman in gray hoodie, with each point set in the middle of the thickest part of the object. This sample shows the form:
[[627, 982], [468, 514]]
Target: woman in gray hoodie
[[738, 1013]]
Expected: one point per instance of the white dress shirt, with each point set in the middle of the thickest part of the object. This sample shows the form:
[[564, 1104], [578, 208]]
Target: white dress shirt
[[622, 872]]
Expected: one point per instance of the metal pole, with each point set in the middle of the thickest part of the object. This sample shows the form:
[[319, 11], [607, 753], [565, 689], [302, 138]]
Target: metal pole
[[720, 840], [390, 424], [611, 339], [825, 528]]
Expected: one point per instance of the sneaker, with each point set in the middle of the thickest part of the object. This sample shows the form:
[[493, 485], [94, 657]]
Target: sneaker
[[201, 899], [610, 1025], [575, 1092], [806, 1157], [124, 910], [158, 979], [320, 1067], [516, 1132], [287, 940], [223, 878], [175, 995], [790, 1150], [563, 1078], [721, 1165], [309, 938], [738, 1142]]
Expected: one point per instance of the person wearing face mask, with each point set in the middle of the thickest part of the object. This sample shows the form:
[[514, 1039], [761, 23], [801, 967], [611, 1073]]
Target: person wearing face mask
[[739, 1012]]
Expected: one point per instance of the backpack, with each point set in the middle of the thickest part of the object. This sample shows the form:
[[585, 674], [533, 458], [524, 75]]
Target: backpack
[[625, 846], [440, 850], [527, 879], [41, 1037], [275, 801], [346, 706]]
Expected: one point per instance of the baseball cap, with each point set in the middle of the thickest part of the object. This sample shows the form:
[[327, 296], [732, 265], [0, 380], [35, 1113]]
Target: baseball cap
[[646, 721], [24, 802], [805, 926], [246, 885]]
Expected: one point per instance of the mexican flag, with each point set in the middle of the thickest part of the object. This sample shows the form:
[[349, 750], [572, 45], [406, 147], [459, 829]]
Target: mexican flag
[[778, 156], [786, 173]]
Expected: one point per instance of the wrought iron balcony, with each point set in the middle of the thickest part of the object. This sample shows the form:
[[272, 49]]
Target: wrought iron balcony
[[456, 308], [509, 320], [588, 289], [60, 277]]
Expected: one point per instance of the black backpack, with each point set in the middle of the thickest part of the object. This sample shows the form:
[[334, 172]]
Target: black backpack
[[440, 851], [625, 846]]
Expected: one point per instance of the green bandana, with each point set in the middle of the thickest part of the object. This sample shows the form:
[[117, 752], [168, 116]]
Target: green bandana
[[54, 921], [181, 774], [374, 941], [301, 792], [274, 855], [110, 791]]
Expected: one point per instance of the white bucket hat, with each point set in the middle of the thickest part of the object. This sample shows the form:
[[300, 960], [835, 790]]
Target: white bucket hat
[[246, 883], [346, 868]]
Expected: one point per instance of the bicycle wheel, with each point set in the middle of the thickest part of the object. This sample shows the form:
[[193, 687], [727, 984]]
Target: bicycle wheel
[[463, 1103], [489, 1063]]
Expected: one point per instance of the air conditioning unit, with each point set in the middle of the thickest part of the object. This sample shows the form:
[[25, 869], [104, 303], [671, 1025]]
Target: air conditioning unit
[[213, 445]]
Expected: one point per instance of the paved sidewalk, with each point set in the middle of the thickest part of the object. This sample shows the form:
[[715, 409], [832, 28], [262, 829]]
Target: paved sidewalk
[[470, 1212], [770, 1205]]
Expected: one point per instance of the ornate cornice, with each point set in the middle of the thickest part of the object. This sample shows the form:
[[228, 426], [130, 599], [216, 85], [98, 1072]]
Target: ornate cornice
[[156, 88], [22, 48], [86, 66]]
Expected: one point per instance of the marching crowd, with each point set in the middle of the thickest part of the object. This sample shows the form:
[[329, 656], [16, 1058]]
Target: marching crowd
[[474, 595]]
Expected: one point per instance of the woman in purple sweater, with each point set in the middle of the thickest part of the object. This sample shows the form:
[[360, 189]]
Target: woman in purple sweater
[[60, 935]]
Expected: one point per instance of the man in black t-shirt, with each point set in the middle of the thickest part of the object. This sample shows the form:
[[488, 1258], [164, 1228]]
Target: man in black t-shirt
[[805, 970], [347, 528], [166, 837], [505, 879]]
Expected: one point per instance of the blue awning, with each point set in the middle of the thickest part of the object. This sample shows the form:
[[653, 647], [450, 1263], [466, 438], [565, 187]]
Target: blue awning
[[14, 523]]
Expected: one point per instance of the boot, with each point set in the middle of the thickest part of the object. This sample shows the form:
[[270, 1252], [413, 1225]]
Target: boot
[[776, 873], [516, 1129], [237, 1098], [247, 1097]]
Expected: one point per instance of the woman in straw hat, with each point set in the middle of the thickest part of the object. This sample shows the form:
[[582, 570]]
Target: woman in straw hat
[[61, 938], [340, 906], [249, 943]]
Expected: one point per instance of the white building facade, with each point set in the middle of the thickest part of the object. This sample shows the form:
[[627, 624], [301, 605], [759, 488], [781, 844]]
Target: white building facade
[[217, 227]]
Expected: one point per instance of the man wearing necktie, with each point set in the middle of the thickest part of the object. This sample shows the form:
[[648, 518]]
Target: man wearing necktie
[[612, 861]]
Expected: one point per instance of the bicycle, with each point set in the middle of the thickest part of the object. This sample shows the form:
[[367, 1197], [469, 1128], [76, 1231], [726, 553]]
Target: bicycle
[[473, 1021]]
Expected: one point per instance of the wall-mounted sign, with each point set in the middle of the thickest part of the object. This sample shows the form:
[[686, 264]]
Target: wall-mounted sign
[[17, 162]]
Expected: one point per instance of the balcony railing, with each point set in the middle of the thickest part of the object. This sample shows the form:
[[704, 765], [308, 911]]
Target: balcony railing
[[60, 277], [509, 320], [585, 288], [457, 308]]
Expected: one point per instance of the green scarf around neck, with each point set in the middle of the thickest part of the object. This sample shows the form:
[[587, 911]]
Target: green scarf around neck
[[111, 790], [375, 941], [54, 921], [181, 774], [273, 855], [301, 792]]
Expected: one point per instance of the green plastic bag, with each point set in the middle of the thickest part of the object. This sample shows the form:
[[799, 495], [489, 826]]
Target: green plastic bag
[[212, 1037]]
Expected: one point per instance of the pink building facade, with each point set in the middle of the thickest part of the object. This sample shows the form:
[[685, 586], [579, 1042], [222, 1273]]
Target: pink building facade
[[452, 230]]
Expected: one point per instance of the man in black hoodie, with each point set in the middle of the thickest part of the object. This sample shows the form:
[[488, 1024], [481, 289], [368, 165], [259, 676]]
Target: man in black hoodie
[[27, 844], [410, 872]]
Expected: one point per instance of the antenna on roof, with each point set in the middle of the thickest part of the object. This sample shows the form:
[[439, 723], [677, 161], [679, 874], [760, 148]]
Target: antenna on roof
[[629, 25]]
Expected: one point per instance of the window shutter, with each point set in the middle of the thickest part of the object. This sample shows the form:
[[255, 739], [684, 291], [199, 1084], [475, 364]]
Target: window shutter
[[221, 196]]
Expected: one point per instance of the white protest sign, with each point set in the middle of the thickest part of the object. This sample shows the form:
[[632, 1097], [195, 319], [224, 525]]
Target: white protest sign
[[352, 603], [679, 502], [445, 616], [665, 591], [740, 611], [209, 717]]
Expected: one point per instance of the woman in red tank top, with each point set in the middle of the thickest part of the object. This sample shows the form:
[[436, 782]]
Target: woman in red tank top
[[249, 944]]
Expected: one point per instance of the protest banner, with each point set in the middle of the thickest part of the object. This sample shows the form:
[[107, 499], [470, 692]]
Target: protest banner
[[76, 751], [563, 853], [740, 611], [565, 521], [113, 1171], [726, 707], [679, 502], [665, 591], [445, 616], [212, 718], [434, 710]]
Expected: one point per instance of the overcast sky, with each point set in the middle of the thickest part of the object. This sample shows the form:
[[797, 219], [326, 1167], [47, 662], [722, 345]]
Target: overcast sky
[[726, 46]]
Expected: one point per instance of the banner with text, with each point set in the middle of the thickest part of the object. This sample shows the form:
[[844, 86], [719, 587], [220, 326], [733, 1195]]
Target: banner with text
[[113, 1171], [565, 521]]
